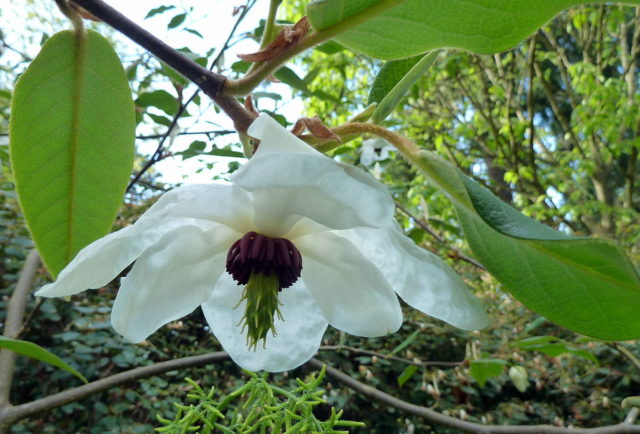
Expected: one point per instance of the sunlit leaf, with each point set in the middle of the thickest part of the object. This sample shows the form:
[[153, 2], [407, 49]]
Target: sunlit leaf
[[160, 99], [395, 29], [176, 21], [585, 284], [393, 82], [158, 10], [72, 132]]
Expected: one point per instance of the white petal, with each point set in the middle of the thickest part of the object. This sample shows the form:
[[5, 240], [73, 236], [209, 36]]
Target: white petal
[[298, 336], [350, 290], [171, 279], [101, 261], [421, 278], [275, 138], [286, 186], [221, 203], [289, 179]]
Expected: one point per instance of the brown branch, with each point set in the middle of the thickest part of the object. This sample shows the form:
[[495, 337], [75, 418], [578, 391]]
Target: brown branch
[[158, 153], [11, 415], [440, 419], [424, 226], [210, 82], [13, 322], [390, 357]]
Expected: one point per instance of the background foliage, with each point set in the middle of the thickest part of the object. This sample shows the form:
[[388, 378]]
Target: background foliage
[[550, 127]]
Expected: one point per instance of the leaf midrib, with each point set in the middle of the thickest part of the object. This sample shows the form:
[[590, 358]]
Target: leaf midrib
[[80, 55]]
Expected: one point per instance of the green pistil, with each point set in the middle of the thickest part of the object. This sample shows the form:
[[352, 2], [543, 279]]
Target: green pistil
[[261, 294]]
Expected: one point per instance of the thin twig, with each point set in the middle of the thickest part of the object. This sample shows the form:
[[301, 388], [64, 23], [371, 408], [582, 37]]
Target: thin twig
[[424, 226], [13, 322], [157, 154], [32, 314], [388, 356], [210, 133], [440, 419], [10, 415], [210, 82]]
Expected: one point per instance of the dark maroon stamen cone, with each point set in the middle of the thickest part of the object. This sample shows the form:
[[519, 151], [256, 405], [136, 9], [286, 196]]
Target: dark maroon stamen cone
[[256, 253]]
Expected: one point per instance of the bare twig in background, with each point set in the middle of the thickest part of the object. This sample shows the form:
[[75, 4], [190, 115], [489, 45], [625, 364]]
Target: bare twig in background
[[211, 83], [389, 357], [427, 228], [13, 323], [157, 155], [10, 415], [209, 134], [440, 419]]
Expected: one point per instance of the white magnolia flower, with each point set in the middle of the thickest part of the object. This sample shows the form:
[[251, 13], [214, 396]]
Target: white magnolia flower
[[311, 240], [374, 150]]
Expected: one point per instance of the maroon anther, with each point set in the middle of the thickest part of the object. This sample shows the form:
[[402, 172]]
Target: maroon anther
[[255, 253]]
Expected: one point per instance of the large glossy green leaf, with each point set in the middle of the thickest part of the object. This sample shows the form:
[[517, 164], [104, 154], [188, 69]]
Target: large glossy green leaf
[[34, 351], [585, 284], [72, 132], [394, 29]]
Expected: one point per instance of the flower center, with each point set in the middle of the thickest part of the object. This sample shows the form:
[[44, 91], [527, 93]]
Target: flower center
[[265, 266], [255, 253]]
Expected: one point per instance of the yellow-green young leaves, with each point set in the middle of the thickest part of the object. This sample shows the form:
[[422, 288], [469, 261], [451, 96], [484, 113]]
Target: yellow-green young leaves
[[395, 29], [71, 142]]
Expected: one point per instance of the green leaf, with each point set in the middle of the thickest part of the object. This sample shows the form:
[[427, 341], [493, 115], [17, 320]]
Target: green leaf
[[330, 47], [241, 66], [395, 29], [389, 76], [225, 153], [404, 344], [406, 374], [195, 32], [158, 119], [160, 99], [483, 369], [158, 10], [34, 351], [176, 21], [72, 133], [287, 76], [584, 284], [394, 80], [539, 321], [554, 347]]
